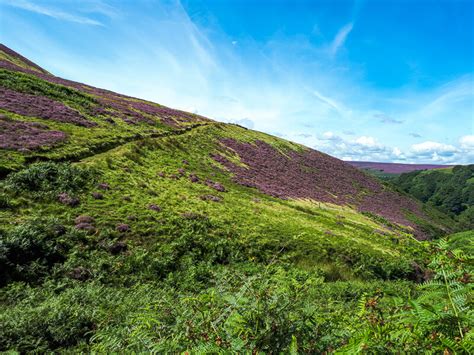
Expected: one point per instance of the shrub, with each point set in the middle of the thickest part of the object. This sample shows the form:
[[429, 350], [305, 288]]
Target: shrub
[[28, 251], [49, 179], [48, 319], [5, 202]]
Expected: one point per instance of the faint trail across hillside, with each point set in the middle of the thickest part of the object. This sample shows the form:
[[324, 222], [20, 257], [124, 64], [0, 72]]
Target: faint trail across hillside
[[107, 146]]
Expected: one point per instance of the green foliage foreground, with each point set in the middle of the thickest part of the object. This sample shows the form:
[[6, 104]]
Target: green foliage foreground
[[206, 305]]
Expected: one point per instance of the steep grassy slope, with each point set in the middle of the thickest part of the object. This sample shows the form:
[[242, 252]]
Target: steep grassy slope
[[128, 225], [65, 120]]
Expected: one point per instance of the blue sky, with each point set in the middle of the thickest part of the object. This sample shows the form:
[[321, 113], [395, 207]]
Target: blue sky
[[385, 80]]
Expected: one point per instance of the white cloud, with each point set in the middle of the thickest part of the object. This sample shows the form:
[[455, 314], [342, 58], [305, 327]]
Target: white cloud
[[367, 141], [430, 148], [467, 142], [330, 136], [50, 12], [436, 152], [397, 152], [363, 148], [340, 38], [368, 148]]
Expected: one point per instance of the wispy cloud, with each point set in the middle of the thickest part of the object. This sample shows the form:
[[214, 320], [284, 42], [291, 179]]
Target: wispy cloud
[[451, 94], [340, 38], [383, 118], [328, 101], [53, 13], [99, 7]]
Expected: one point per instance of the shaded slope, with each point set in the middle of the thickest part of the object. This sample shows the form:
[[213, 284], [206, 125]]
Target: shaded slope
[[449, 190]]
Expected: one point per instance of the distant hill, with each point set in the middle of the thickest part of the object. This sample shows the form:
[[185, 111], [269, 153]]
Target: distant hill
[[395, 168], [449, 190]]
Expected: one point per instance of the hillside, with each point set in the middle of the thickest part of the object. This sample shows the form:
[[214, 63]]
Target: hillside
[[449, 190], [48, 118], [129, 225], [390, 171], [395, 168]]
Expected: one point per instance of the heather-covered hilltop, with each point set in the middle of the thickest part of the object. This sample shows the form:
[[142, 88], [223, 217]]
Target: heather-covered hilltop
[[129, 226]]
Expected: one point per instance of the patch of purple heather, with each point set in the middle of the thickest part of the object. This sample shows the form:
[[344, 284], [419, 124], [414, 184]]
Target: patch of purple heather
[[68, 200], [40, 106], [85, 227], [211, 198], [103, 186], [110, 104], [193, 178], [25, 136], [313, 175], [154, 207], [215, 185], [123, 228], [14, 54], [117, 248], [83, 219], [97, 196]]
